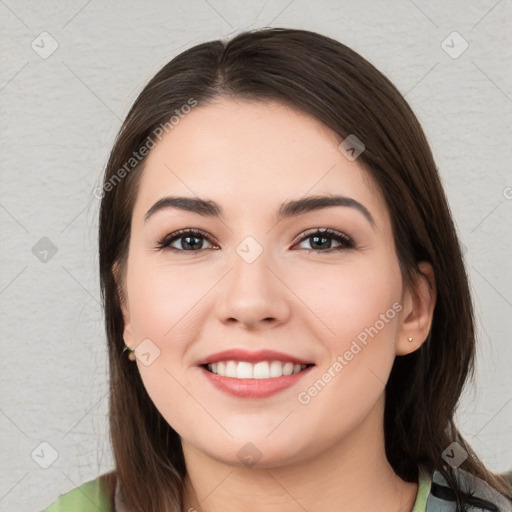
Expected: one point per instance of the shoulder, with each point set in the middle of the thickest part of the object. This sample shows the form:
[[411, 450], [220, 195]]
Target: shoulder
[[92, 496]]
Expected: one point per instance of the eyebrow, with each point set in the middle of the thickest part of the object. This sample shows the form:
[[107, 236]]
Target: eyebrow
[[209, 208]]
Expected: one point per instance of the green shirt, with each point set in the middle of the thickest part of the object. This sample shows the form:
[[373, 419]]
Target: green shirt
[[94, 496]]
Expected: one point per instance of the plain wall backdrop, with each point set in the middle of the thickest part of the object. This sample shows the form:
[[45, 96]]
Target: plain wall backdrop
[[70, 70]]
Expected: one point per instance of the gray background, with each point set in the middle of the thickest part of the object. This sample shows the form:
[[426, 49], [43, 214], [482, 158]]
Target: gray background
[[60, 114]]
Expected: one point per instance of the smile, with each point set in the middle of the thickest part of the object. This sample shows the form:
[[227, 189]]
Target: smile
[[263, 379], [260, 370]]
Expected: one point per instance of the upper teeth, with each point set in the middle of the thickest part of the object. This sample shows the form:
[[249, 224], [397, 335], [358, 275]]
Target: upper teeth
[[261, 370]]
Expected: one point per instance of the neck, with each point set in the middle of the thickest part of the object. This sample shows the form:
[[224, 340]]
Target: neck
[[352, 474]]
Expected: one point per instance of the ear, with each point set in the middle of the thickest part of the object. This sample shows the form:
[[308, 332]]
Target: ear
[[125, 309], [418, 311]]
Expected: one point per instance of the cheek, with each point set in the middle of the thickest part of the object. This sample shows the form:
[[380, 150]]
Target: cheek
[[160, 310], [348, 297], [159, 298], [361, 305]]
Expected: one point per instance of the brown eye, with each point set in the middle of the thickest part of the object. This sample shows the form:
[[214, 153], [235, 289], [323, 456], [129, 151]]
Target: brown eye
[[321, 240], [189, 240], [192, 240]]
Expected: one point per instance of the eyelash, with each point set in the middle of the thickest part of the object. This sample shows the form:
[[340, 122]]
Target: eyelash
[[345, 241]]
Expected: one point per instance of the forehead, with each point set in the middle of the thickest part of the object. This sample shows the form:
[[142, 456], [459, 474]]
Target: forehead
[[249, 155]]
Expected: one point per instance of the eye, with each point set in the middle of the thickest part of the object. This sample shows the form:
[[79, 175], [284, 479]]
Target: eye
[[191, 240], [321, 240]]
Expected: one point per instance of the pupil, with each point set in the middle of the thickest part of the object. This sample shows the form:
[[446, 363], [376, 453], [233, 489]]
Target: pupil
[[315, 238], [187, 238]]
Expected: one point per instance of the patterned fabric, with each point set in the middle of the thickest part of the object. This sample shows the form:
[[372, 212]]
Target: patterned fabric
[[485, 498]]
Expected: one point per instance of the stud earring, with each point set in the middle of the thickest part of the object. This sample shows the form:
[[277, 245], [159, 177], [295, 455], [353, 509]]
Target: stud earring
[[410, 340], [131, 353]]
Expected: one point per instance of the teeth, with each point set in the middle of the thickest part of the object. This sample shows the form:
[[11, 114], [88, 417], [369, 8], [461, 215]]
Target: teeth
[[288, 369], [261, 370], [244, 370]]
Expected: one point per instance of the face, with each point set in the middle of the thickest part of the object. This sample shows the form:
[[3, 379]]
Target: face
[[263, 281]]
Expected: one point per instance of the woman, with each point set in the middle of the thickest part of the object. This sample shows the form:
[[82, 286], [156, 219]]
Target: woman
[[287, 310]]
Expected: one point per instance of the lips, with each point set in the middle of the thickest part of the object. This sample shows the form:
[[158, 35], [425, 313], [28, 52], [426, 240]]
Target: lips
[[253, 388], [257, 374]]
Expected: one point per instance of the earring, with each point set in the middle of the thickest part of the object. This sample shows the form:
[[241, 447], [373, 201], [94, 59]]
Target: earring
[[131, 353], [410, 340]]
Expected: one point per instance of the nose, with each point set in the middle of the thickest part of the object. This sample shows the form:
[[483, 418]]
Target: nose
[[253, 295]]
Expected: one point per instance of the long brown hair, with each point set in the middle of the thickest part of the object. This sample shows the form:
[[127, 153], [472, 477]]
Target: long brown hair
[[328, 80]]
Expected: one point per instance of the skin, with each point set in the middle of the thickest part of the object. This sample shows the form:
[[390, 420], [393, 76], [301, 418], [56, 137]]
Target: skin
[[250, 157]]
